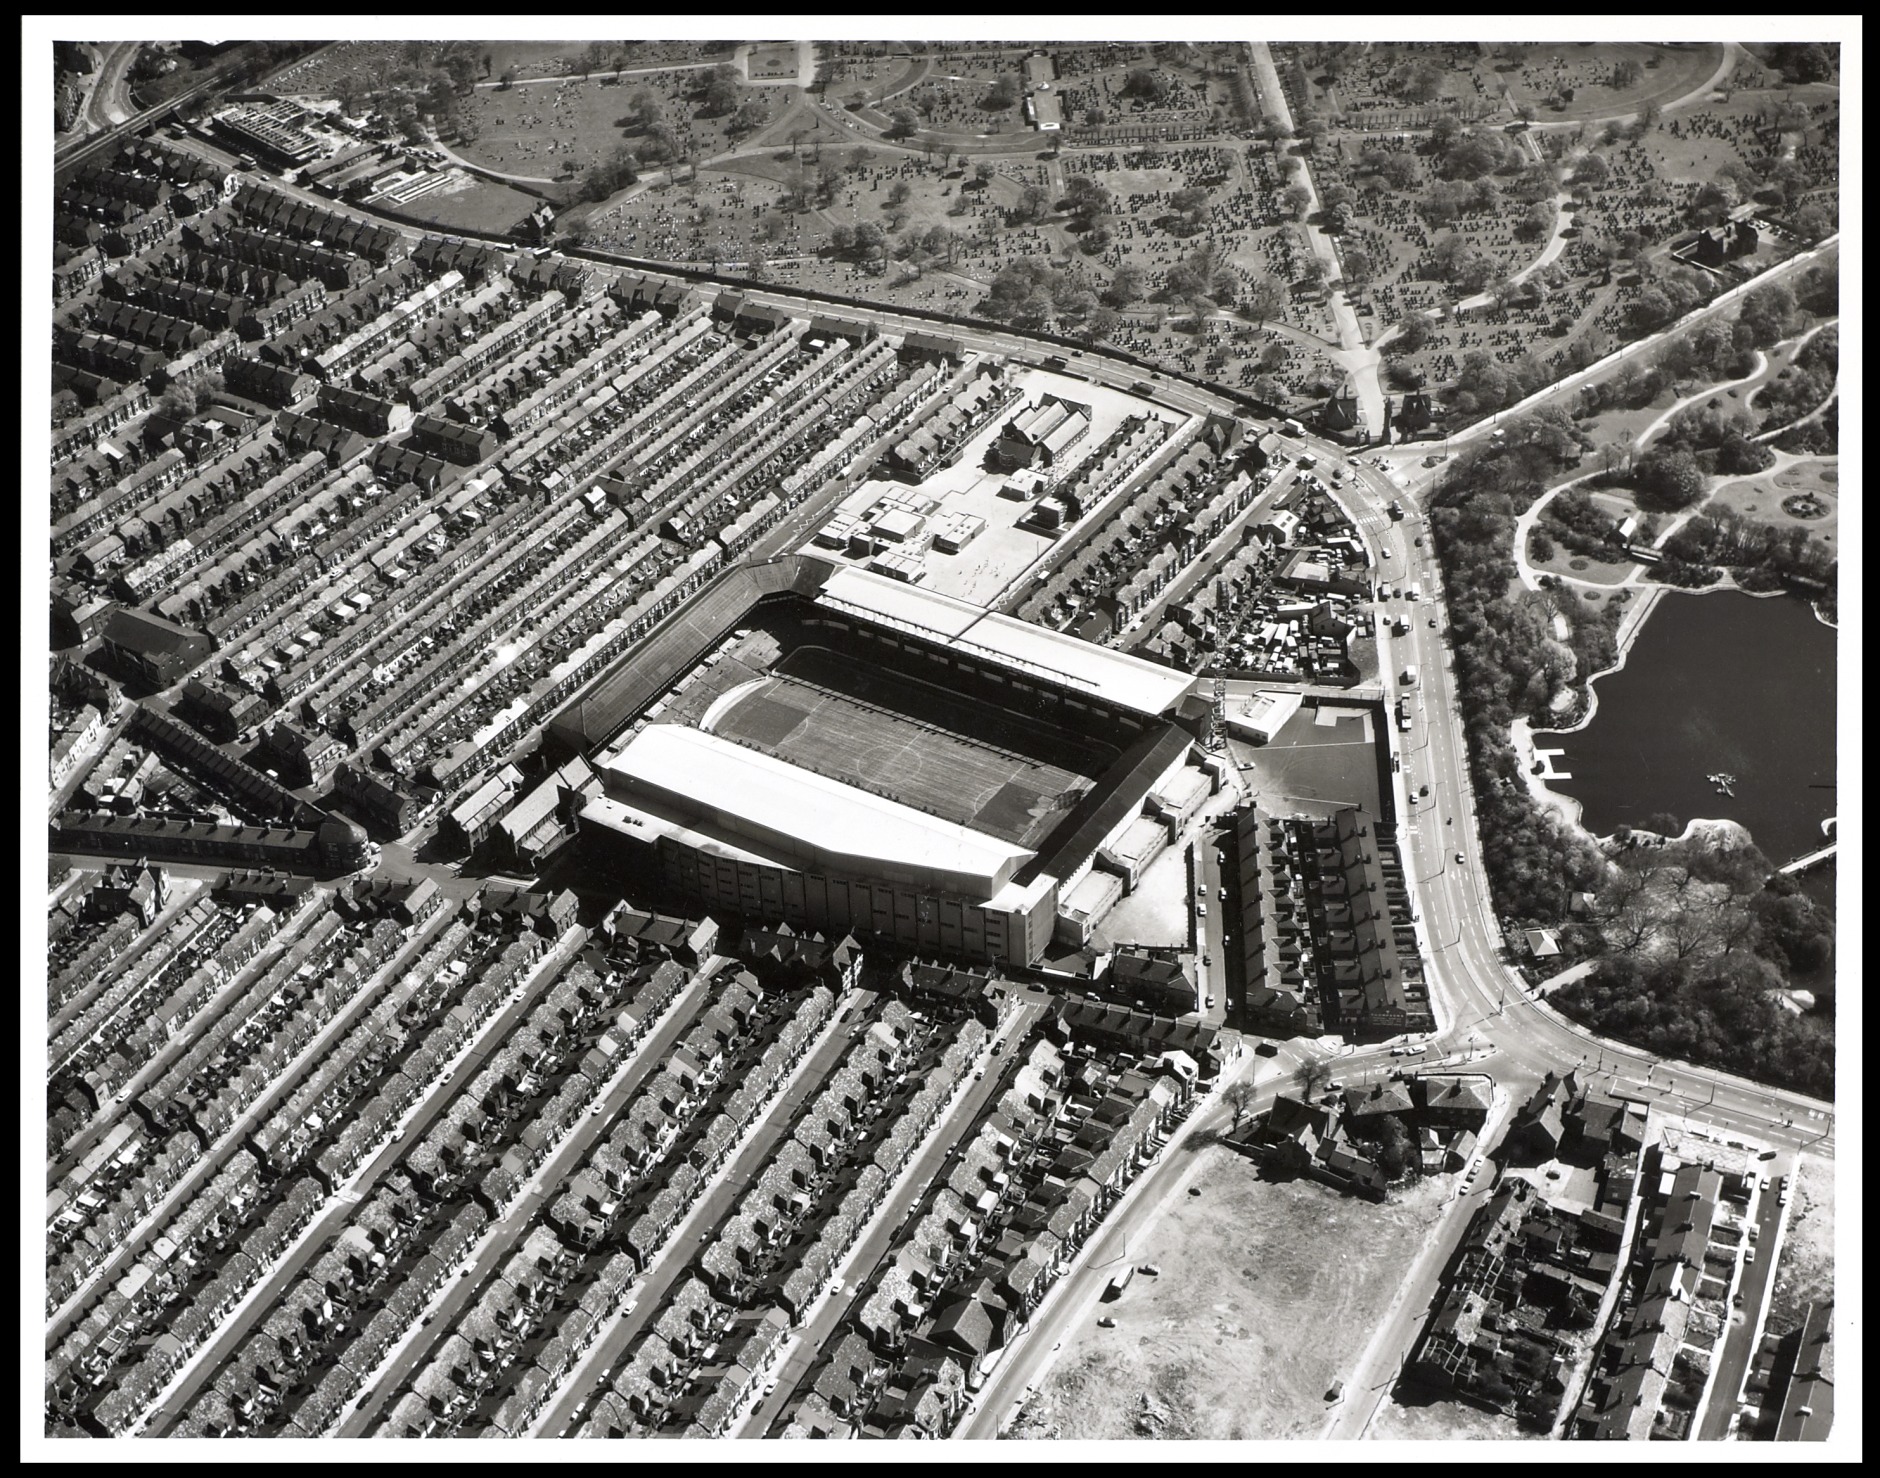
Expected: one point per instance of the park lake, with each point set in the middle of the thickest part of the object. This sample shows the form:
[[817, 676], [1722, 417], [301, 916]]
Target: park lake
[[1714, 684]]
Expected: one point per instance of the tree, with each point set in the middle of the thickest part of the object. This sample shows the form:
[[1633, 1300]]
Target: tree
[[1537, 221], [749, 116], [901, 124], [1592, 171], [1240, 1097], [1189, 202], [1298, 200], [1033, 203], [722, 88], [1001, 95], [1146, 84], [1668, 479], [1413, 333], [1806, 61], [1086, 200], [1102, 324], [1648, 117], [1268, 389], [1626, 73], [1125, 287], [1394, 1149], [1311, 1076], [1264, 301]]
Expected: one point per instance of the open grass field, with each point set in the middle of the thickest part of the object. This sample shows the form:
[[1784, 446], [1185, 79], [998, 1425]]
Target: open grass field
[[471, 204], [966, 761], [1269, 1291]]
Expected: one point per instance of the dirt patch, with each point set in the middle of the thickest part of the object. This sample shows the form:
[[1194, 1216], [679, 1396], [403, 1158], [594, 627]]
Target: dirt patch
[[1269, 1292], [1806, 1273], [1425, 1419]]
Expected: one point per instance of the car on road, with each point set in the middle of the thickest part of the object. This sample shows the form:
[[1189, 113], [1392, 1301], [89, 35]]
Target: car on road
[[1765, 1183], [1106, 1322], [1418, 541], [1460, 857], [1749, 1254], [1210, 1003], [1432, 623], [399, 1132], [1223, 895], [1396, 1051], [1202, 909], [980, 1074]]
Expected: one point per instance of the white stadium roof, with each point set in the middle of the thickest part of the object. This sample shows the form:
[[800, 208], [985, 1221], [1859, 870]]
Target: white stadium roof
[[804, 819], [1128, 682]]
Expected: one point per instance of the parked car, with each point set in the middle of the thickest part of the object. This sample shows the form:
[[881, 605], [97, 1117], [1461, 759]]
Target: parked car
[[1106, 1322]]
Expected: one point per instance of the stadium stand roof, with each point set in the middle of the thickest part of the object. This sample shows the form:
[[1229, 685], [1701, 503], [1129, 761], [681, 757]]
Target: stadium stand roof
[[805, 817], [652, 666], [1128, 682]]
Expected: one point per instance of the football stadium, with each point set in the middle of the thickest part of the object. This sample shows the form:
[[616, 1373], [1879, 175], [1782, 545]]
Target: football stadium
[[821, 746]]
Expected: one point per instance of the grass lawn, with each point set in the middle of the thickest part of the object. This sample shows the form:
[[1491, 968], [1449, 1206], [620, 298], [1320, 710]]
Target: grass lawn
[[1579, 567], [1761, 497], [567, 127], [1221, 1345], [1668, 73]]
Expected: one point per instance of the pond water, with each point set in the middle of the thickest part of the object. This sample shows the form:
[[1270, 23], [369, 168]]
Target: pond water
[[1724, 683]]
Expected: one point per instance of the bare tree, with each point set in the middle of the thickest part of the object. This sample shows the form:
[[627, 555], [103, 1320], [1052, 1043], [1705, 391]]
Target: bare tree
[[1239, 1097], [1690, 930], [1312, 1075]]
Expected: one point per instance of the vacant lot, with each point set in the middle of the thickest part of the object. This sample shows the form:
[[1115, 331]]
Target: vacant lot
[[1806, 1272], [1269, 1292]]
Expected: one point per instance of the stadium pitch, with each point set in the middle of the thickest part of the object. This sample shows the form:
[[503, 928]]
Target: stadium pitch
[[999, 772]]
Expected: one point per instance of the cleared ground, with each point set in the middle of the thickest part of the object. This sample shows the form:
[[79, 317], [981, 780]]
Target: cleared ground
[[956, 758], [1806, 1272], [1269, 1292]]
